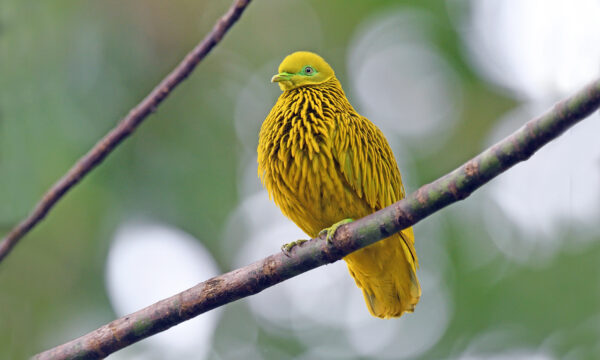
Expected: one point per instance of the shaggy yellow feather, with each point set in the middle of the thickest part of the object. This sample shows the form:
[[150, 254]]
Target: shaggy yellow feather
[[322, 162]]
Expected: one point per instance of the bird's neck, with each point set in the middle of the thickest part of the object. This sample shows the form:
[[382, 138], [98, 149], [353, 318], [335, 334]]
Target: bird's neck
[[318, 99], [304, 119]]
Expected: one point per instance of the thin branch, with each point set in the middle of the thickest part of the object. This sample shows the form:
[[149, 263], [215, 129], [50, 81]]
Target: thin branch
[[277, 268], [124, 128]]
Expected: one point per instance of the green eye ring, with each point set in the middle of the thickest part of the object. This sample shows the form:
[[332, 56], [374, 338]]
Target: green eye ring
[[309, 70]]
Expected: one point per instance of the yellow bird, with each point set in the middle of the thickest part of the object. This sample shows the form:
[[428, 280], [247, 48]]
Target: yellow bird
[[324, 164]]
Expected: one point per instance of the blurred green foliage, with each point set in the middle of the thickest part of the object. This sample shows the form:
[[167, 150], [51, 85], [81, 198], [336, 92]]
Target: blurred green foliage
[[69, 70]]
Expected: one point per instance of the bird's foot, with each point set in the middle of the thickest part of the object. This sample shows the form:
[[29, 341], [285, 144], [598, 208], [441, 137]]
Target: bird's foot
[[330, 231], [285, 248]]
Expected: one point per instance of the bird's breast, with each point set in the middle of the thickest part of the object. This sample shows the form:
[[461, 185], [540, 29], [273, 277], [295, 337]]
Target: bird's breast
[[298, 167]]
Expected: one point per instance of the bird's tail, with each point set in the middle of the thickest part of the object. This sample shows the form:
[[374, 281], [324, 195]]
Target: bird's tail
[[386, 273]]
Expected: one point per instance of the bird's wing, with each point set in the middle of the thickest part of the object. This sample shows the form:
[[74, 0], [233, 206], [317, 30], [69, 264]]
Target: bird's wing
[[366, 161]]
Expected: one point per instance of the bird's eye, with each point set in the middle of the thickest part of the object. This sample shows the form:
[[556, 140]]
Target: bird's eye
[[308, 70]]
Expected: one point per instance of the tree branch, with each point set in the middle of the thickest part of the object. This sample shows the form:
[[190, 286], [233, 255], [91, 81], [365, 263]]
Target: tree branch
[[124, 128], [276, 268]]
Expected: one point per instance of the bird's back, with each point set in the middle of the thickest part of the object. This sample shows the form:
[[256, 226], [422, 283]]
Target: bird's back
[[321, 163]]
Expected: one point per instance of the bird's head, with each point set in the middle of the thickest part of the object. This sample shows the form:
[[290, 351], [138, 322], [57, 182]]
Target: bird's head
[[302, 68]]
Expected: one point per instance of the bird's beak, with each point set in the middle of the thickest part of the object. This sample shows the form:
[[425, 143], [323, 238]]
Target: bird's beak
[[281, 77]]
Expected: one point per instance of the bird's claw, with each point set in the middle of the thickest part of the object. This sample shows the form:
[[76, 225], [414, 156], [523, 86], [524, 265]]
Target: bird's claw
[[286, 248], [330, 231]]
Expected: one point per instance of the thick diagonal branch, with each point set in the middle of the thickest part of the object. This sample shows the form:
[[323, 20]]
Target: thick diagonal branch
[[124, 128], [276, 268]]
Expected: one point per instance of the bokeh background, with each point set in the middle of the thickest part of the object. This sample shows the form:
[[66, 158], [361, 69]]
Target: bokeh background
[[511, 272]]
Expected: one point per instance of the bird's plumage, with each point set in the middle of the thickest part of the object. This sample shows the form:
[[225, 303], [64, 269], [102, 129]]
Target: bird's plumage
[[322, 162]]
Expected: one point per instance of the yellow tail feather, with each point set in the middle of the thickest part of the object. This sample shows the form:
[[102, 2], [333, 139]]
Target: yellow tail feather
[[385, 271]]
